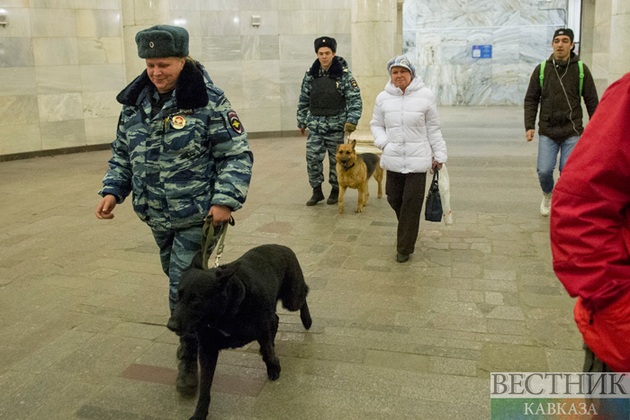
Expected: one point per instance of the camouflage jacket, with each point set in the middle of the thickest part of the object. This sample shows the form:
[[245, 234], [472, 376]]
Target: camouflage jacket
[[193, 154], [347, 87]]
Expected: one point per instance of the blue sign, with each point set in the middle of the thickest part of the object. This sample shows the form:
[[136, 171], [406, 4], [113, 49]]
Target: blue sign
[[482, 51]]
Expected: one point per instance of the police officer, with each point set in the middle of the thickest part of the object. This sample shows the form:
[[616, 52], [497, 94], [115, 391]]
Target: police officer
[[330, 102], [183, 153]]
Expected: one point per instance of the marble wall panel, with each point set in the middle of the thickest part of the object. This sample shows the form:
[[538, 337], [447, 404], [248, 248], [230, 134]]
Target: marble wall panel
[[260, 47], [100, 50], [221, 48], [268, 22], [61, 134], [106, 77], [19, 23], [333, 21], [58, 79], [60, 107], [55, 51], [258, 5], [298, 47], [535, 45], [334, 4], [296, 5], [478, 89], [288, 119], [17, 81], [228, 76], [18, 110], [191, 20], [52, 4], [289, 94], [195, 47], [14, 3], [100, 104], [18, 52], [506, 45], [218, 5], [293, 71], [191, 4], [297, 22], [261, 87], [261, 119], [223, 22], [53, 23], [100, 130], [601, 39], [20, 139], [97, 4], [99, 23]]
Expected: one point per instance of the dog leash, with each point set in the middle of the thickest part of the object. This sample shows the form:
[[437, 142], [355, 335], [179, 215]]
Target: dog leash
[[208, 238]]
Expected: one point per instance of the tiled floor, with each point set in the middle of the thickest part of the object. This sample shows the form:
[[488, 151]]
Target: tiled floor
[[83, 301]]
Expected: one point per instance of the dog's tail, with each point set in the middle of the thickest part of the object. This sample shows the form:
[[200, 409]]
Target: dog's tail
[[294, 289]]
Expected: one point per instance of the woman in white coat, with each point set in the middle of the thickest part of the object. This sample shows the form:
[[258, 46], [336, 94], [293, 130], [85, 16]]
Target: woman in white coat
[[406, 128]]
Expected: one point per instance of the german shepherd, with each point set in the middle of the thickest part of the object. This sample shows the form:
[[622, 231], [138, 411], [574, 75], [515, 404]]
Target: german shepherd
[[234, 304], [354, 171]]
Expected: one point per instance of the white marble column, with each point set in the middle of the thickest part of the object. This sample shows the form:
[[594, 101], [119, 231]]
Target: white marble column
[[619, 59], [139, 15], [374, 37]]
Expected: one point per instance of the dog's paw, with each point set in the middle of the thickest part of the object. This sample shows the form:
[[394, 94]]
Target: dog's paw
[[341, 210], [273, 370], [359, 210]]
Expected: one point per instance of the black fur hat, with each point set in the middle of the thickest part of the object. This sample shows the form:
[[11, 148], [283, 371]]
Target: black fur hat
[[326, 41]]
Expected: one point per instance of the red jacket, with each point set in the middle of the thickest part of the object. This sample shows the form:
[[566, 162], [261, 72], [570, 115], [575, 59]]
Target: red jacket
[[590, 212]]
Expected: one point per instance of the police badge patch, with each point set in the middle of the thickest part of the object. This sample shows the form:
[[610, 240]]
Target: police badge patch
[[235, 123], [354, 83]]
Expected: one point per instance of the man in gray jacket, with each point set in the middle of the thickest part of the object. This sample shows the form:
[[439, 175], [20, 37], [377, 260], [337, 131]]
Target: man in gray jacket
[[558, 85]]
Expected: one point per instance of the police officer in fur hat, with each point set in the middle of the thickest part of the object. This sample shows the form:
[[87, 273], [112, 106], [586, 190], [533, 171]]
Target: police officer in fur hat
[[330, 103], [182, 152]]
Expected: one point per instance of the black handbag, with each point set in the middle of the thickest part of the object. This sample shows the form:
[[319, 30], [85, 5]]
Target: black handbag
[[433, 207]]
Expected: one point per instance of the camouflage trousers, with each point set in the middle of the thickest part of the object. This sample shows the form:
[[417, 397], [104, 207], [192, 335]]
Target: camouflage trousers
[[316, 146], [177, 249]]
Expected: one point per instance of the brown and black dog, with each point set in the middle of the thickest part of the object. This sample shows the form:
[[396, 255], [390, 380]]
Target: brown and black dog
[[354, 171]]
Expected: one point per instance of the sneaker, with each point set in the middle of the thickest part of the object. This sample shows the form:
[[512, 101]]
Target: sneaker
[[545, 205]]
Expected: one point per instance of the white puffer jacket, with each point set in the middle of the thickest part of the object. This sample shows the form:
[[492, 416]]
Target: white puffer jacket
[[407, 129]]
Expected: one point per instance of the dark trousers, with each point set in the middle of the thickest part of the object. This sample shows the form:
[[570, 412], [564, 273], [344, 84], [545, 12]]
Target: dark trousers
[[405, 194]]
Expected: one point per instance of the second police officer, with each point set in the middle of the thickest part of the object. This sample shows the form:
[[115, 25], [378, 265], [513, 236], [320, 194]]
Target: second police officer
[[330, 103]]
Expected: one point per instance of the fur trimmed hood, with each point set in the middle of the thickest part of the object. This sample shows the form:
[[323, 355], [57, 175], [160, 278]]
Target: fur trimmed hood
[[190, 90], [335, 70]]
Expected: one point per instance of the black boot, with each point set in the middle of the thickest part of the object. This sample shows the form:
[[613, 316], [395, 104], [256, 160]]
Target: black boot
[[334, 196], [187, 378], [317, 196]]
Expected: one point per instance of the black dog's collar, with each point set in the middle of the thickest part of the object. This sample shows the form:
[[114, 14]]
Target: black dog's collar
[[349, 167]]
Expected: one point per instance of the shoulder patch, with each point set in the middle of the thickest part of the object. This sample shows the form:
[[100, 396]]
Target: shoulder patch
[[234, 122], [354, 84]]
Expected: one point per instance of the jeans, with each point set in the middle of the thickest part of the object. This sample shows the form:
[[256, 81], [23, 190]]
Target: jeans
[[547, 157]]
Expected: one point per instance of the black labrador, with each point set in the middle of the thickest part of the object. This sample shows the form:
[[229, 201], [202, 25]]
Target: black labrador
[[235, 304]]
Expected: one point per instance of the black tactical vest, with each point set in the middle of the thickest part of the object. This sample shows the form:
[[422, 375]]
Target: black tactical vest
[[325, 99]]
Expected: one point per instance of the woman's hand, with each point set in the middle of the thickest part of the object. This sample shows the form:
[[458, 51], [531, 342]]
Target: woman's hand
[[105, 207], [436, 164], [220, 214]]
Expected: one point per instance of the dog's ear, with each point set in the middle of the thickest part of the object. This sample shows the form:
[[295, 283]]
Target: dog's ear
[[354, 143], [197, 261], [235, 290], [338, 146]]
